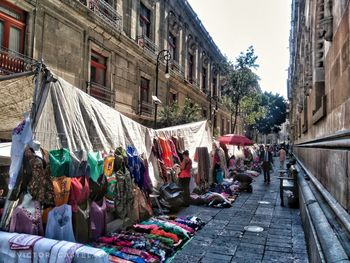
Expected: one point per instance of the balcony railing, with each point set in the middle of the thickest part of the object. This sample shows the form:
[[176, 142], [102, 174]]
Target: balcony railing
[[147, 45], [14, 62], [176, 68], [102, 93], [146, 108], [106, 12]]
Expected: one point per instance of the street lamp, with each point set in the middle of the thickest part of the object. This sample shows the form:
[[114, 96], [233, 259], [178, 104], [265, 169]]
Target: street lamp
[[162, 55]]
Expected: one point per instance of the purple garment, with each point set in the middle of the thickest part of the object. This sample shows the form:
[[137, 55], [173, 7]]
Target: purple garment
[[147, 183], [23, 221], [98, 210]]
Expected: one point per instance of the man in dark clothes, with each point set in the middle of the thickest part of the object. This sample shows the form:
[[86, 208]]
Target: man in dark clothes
[[266, 162]]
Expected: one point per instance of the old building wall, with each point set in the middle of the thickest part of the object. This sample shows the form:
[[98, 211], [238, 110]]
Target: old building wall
[[64, 34]]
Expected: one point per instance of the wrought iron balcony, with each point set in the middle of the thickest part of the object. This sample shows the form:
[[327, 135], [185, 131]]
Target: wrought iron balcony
[[102, 93], [14, 62], [146, 108], [148, 45], [106, 12], [176, 68]]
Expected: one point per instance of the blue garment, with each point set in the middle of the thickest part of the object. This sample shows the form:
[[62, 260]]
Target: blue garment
[[131, 258], [134, 164], [59, 224]]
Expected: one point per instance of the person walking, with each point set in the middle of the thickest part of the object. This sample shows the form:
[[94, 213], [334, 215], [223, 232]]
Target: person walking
[[282, 157], [266, 162], [185, 176]]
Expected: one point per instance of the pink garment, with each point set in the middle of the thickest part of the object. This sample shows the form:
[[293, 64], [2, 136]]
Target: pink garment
[[79, 192], [140, 253], [23, 221]]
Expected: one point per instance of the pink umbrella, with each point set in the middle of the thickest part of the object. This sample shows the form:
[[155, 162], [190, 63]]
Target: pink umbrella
[[234, 139]]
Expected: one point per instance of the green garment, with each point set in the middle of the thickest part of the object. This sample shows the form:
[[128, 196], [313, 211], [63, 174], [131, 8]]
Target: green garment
[[168, 228], [165, 240], [60, 161], [95, 163]]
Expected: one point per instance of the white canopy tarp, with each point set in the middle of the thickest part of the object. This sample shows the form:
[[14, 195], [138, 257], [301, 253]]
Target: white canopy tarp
[[68, 117], [5, 153]]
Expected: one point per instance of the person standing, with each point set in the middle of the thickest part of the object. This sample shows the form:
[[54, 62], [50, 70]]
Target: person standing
[[266, 162], [282, 157], [185, 176]]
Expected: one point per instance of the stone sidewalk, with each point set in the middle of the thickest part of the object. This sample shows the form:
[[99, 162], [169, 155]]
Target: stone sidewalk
[[223, 239]]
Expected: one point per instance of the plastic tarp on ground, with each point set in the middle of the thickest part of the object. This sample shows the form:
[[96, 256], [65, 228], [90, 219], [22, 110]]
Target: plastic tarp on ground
[[68, 117]]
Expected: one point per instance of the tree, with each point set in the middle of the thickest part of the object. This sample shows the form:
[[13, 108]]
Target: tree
[[241, 81], [171, 115], [276, 112]]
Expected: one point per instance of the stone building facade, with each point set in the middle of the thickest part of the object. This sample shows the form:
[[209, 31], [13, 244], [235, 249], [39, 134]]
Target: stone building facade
[[109, 49], [319, 91]]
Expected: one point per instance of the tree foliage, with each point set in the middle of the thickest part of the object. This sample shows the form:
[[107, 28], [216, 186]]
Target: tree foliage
[[172, 115], [242, 81], [276, 110]]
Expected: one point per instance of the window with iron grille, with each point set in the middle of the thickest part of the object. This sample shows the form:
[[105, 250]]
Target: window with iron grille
[[12, 27], [172, 46], [98, 68], [190, 63], [144, 90], [204, 79], [145, 21], [172, 98]]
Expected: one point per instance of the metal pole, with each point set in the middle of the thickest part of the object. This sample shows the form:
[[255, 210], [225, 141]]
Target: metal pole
[[156, 104]]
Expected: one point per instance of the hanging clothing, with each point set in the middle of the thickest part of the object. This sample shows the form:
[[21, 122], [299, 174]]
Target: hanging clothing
[[38, 170], [108, 165], [98, 218], [23, 221], [78, 164], [203, 174], [81, 223], [147, 182], [21, 135], [61, 188], [134, 165], [59, 224], [123, 196], [79, 192], [110, 191], [98, 189], [95, 163], [60, 162], [166, 152]]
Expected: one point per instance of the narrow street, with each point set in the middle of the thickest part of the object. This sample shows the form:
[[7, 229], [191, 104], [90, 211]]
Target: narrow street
[[223, 239]]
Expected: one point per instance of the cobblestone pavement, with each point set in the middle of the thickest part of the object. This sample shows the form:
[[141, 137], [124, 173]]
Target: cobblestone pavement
[[223, 239]]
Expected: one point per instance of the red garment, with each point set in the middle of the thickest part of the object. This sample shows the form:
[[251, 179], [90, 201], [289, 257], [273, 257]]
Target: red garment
[[107, 240], [162, 233], [186, 171], [123, 243], [145, 228], [79, 192], [166, 153], [118, 260]]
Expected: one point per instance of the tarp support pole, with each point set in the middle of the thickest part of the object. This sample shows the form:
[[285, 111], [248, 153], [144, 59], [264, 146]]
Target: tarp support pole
[[16, 75]]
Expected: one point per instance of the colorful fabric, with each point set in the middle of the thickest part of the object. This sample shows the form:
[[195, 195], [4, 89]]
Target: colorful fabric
[[78, 165], [61, 188], [95, 164], [166, 152], [79, 192], [98, 218], [98, 189], [134, 165], [21, 135], [23, 221], [60, 162], [108, 165], [81, 223], [59, 224]]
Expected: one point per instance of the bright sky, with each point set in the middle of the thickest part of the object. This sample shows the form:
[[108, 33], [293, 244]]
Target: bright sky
[[235, 25]]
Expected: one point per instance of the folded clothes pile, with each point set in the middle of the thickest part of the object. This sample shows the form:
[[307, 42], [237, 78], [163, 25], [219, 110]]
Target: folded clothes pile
[[153, 240]]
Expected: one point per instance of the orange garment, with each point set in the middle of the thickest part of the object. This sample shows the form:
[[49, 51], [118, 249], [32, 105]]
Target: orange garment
[[61, 188], [162, 233], [108, 165], [166, 152]]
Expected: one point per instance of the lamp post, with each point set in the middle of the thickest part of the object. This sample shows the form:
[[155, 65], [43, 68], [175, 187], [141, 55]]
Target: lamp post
[[164, 55]]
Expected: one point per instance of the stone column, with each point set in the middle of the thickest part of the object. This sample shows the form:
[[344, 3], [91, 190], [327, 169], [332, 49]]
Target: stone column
[[134, 21], [209, 74]]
